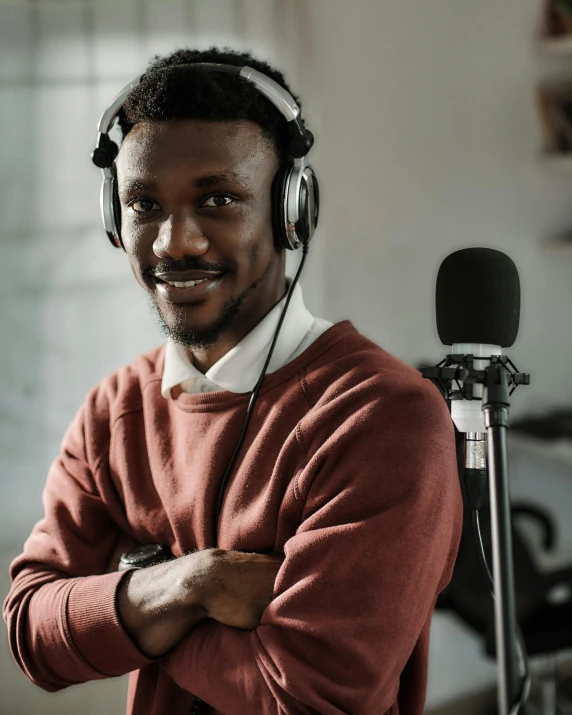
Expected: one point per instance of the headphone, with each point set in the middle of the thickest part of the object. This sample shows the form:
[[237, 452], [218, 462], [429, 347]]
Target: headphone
[[295, 194]]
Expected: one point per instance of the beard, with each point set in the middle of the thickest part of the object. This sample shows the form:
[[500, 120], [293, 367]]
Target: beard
[[205, 337]]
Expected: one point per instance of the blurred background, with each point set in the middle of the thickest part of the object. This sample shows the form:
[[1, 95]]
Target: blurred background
[[428, 139]]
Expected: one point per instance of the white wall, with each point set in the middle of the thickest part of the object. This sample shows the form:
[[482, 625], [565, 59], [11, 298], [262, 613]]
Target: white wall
[[426, 142]]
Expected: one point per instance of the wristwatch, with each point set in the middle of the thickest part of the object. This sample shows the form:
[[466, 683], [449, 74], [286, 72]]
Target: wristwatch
[[143, 556]]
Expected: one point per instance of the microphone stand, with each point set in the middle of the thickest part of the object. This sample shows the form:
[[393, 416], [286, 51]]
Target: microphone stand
[[495, 379], [496, 408], [512, 688]]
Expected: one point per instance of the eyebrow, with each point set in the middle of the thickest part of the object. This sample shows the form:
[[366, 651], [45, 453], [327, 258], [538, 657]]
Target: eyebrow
[[215, 179], [199, 182]]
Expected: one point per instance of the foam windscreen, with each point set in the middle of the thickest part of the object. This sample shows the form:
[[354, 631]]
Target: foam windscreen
[[478, 298]]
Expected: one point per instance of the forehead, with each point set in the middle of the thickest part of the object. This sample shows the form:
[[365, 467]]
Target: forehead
[[195, 146]]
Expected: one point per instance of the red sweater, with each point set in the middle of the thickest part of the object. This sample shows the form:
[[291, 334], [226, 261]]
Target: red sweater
[[348, 468]]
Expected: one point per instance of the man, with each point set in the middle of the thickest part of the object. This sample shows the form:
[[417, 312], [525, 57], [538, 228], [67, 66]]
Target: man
[[341, 520]]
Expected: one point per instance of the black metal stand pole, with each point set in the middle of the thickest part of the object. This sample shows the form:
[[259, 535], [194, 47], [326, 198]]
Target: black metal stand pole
[[495, 408]]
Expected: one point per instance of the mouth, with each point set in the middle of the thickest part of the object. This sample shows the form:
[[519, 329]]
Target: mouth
[[187, 288]]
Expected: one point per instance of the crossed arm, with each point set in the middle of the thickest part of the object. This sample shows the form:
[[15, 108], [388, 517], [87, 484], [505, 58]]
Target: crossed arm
[[158, 606]]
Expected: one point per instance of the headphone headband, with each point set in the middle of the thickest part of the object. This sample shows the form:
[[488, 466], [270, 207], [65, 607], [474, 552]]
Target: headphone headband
[[279, 97]]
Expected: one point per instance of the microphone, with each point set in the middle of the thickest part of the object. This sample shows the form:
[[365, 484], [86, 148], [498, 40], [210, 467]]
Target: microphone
[[477, 304], [478, 313]]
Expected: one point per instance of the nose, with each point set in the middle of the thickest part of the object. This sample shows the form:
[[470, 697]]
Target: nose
[[179, 236]]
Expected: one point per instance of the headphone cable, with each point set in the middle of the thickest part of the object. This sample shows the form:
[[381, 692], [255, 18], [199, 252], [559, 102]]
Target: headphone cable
[[253, 398]]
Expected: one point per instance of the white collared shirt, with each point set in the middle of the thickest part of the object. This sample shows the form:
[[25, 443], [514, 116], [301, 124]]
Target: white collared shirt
[[239, 369]]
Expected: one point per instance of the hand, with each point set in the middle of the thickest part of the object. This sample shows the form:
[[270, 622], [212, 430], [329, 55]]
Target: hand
[[237, 587]]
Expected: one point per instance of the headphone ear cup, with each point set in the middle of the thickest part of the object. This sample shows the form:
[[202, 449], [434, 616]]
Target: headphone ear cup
[[308, 205], [279, 186], [295, 206]]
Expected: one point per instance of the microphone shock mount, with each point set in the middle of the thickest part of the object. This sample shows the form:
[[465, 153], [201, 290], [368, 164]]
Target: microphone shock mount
[[455, 375]]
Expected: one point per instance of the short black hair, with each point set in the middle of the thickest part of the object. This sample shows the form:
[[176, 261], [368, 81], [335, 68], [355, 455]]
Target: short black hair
[[172, 93]]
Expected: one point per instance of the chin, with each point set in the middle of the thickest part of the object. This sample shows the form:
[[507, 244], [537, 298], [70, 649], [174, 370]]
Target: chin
[[195, 334]]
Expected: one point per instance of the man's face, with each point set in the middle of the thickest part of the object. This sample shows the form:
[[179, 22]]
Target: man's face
[[196, 206]]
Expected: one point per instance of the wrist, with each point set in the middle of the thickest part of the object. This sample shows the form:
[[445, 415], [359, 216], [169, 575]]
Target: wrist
[[156, 590]]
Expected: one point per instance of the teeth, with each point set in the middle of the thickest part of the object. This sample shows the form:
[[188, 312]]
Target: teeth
[[185, 284]]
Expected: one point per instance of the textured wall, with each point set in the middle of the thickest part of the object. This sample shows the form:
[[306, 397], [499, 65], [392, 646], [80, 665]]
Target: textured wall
[[70, 310]]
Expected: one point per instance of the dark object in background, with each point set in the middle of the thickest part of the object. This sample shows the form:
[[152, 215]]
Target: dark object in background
[[556, 18], [554, 107], [468, 593], [554, 425]]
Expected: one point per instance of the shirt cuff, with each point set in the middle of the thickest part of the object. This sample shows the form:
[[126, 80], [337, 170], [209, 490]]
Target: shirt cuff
[[95, 628]]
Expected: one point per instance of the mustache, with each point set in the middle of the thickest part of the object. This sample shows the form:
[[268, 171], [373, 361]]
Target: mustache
[[188, 264]]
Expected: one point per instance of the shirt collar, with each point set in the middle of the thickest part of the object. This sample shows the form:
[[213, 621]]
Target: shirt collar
[[239, 369]]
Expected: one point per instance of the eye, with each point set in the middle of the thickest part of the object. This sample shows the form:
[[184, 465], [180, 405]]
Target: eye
[[218, 200], [142, 205]]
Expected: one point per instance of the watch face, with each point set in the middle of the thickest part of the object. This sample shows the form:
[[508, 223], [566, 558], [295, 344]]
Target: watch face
[[146, 554]]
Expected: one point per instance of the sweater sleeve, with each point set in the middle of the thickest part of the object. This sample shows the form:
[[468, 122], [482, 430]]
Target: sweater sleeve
[[381, 523], [60, 611]]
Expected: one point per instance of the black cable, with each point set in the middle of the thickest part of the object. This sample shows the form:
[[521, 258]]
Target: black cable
[[523, 657], [199, 706], [253, 397]]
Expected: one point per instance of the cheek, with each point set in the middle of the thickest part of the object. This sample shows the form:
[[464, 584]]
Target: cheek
[[254, 250], [137, 246], [137, 240], [132, 232], [255, 243], [137, 269]]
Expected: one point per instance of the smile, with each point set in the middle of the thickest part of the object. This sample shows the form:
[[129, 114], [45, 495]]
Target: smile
[[191, 291]]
